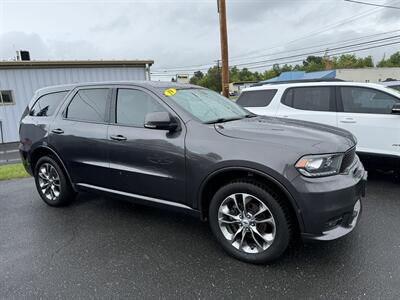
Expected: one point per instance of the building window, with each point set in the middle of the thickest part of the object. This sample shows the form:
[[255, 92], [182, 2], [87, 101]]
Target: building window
[[6, 97]]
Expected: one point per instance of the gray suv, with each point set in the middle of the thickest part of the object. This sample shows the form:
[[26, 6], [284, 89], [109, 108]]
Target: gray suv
[[259, 181]]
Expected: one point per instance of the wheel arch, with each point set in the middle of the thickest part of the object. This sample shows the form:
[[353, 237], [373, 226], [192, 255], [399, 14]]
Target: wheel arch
[[223, 176], [47, 151]]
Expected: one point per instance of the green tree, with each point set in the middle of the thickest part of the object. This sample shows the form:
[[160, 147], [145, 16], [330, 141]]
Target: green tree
[[234, 74], [212, 79], [347, 61], [197, 76], [313, 64], [392, 61]]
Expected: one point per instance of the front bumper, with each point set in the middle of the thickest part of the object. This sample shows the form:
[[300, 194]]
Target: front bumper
[[25, 161], [342, 229], [331, 206]]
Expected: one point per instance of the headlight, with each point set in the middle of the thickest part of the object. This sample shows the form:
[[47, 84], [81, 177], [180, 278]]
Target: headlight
[[319, 165]]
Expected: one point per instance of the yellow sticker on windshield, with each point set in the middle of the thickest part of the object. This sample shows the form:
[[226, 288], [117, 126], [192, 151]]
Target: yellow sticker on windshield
[[170, 92]]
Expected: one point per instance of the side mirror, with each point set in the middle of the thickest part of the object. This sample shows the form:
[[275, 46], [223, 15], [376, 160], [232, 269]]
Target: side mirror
[[396, 108], [160, 120]]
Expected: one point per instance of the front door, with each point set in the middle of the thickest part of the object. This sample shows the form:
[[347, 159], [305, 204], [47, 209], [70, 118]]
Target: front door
[[147, 162], [367, 113]]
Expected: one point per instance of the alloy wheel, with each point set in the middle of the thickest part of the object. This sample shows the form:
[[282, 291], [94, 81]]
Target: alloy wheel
[[247, 223], [49, 181]]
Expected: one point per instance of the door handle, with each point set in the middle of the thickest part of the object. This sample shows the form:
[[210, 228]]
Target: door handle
[[348, 121], [118, 137], [57, 131]]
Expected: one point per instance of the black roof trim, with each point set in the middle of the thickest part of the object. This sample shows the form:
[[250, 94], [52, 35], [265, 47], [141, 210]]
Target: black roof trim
[[299, 81]]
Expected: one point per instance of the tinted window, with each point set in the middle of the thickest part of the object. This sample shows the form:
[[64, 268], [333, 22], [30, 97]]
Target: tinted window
[[396, 87], [256, 98], [368, 101], [317, 98], [133, 106], [47, 104], [89, 105]]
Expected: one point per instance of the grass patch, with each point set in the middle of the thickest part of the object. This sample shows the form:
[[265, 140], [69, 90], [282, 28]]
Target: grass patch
[[233, 98], [12, 171]]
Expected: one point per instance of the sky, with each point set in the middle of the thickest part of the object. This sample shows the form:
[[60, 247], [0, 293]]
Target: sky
[[185, 34]]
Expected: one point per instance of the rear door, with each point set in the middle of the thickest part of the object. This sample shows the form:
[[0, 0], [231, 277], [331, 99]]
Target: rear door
[[146, 162], [311, 103], [35, 120], [367, 113], [79, 135]]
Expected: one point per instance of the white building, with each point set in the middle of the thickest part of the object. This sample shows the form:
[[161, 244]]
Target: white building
[[20, 79], [237, 87], [182, 78], [374, 75]]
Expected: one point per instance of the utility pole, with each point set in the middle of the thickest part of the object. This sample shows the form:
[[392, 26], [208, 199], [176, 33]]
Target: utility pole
[[224, 48], [219, 72]]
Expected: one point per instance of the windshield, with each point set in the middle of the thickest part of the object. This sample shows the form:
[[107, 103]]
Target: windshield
[[208, 106]]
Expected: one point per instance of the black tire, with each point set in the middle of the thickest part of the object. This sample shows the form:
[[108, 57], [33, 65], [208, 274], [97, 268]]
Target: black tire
[[277, 208], [66, 193]]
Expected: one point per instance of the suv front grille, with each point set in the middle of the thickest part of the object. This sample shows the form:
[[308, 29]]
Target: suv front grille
[[348, 159]]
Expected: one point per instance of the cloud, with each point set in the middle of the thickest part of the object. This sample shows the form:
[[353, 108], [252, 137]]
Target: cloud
[[120, 23], [178, 33], [389, 15], [13, 41], [46, 50]]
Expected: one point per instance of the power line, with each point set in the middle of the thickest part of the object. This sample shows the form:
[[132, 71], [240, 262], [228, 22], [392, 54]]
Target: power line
[[312, 34], [326, 44], [323, 50], [284, 57], [373, 4], [207, 66], [324, 29], [301, 59], [333, 54]]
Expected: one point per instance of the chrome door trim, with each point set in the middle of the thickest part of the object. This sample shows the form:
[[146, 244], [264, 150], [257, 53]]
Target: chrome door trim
[[151, 199]]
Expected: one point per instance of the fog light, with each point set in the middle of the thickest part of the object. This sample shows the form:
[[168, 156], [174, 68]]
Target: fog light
[[333, 222]]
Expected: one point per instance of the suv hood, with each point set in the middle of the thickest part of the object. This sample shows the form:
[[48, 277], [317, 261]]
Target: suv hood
[[308, 137]]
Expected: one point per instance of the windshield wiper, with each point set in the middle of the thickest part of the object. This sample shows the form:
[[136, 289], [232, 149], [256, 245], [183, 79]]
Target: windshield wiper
[[250, 116], [223, 120]]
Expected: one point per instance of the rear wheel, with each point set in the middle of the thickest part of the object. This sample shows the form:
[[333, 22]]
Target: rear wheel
[[250, 221], [52, 183]]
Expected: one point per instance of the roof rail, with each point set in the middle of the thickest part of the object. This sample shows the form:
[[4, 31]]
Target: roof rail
[[299, 81]]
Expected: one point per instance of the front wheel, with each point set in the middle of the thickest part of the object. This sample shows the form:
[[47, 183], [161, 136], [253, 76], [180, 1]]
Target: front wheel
[[250, 221], [52, 183]]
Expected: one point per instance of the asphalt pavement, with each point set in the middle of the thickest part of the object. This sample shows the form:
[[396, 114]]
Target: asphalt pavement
[[109, 249]]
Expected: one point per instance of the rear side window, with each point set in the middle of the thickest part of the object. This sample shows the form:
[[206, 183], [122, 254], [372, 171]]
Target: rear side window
[[256, 98], [46, 105], [367, 101], [396, 87], [318, 98], [89, 105], [133, 106]]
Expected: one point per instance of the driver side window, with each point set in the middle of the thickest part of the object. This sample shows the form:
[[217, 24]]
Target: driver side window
[[366, 100], [133, 106]]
